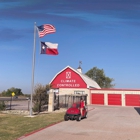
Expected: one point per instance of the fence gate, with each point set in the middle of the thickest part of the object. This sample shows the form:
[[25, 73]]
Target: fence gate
[[66, 101]]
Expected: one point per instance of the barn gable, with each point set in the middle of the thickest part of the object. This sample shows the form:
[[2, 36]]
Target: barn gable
[[71, 78]]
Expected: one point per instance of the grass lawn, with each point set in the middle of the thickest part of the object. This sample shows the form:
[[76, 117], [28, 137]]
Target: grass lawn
[[15, 126]]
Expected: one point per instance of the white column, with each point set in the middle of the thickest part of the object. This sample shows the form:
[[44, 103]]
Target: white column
[[105, 98], [123, 98], [51, 102]]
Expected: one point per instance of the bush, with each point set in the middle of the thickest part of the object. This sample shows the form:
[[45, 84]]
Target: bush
[[36, 107], [2, 105], [40, 97]]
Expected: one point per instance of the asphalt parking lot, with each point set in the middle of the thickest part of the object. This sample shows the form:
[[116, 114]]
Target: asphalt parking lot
[[20, 103], [103, 123]]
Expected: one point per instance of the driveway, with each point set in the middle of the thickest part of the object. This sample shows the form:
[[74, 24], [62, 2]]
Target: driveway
[[103, 123]]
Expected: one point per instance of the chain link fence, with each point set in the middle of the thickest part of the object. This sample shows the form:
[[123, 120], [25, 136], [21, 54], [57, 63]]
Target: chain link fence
[[60, 101], [16, 104]]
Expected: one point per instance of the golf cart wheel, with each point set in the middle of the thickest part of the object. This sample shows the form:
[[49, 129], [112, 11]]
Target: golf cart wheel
[[79, 118], [66, 118]]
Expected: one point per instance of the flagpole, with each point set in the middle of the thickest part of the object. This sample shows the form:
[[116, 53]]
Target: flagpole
[[33, 69]]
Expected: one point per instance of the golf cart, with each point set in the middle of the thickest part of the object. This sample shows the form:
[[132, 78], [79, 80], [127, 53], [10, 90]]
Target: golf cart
[[74, 111]]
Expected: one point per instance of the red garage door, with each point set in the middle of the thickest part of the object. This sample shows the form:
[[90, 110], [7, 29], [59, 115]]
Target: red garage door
[[132, 100], [98, 99], [114, 99]]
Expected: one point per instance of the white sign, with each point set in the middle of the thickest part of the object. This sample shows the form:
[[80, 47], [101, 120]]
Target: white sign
[[68, 75]]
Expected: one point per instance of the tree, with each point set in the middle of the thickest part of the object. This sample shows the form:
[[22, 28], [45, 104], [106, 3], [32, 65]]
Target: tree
[[40, 97], [99, 76], [17, 92]]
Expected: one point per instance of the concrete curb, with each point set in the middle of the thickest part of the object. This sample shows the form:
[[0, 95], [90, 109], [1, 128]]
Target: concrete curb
[[37, 130]]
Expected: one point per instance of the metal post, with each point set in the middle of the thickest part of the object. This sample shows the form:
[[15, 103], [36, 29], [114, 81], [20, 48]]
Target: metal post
[[28, 103], [58, 102], [40, 104], [33, 67], [10, 102], [65, 100]]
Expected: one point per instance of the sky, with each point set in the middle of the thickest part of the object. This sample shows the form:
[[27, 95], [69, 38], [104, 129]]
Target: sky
[[100, 33]]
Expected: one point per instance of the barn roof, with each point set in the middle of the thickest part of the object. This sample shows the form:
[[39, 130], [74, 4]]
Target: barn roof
[[90, 83]]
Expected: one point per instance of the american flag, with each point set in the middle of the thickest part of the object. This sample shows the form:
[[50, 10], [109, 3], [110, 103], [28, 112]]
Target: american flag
[[45, 29]]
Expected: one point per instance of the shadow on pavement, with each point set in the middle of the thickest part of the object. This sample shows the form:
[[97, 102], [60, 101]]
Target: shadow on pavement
[[137, 109]]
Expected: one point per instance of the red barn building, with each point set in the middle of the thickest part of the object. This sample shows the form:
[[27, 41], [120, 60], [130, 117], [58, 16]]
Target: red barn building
[[71, 81]]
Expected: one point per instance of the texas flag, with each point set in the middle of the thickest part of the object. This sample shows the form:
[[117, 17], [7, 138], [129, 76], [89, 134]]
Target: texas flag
[[49, 48]]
